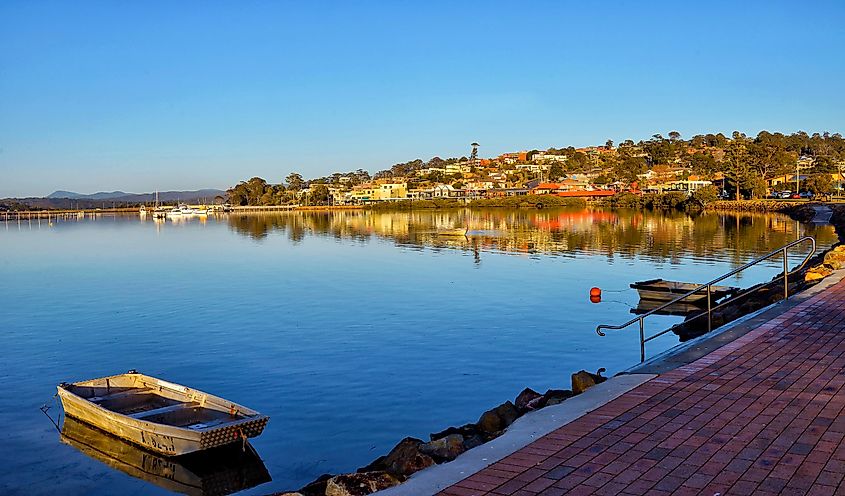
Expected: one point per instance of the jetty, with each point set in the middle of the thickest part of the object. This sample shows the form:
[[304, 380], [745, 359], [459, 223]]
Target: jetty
[[757, 407]]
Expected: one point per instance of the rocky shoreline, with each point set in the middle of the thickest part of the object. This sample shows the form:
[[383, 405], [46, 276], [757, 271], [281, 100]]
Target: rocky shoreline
[[411, 455]]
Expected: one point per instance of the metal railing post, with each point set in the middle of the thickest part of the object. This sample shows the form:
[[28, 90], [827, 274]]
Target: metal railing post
[[642, 340], [785, 275], [708, 287]]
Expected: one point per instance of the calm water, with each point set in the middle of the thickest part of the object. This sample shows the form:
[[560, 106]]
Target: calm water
[[350, 330]]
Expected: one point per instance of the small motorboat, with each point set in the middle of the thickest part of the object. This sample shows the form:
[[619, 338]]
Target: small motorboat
[[661, 290], [169, 419]]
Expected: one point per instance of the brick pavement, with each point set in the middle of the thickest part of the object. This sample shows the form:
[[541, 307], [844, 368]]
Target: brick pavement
[[761, 415]]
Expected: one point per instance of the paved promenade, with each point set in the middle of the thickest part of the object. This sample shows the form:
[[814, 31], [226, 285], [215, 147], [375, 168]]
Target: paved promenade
[[760, 415]]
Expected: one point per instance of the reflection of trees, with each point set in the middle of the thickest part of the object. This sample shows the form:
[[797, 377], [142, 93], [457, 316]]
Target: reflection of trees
[[661, 236]]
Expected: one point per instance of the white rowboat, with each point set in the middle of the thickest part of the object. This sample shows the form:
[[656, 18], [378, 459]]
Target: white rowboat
[[163, 417]]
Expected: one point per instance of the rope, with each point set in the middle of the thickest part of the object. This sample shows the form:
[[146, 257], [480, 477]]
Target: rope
[[45, 407]]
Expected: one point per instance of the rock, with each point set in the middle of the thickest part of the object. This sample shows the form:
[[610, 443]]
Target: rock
[[375, 465], [317, 487], [817, 273], [489, 422], [444, 449], [466, 431], [472, 442], [360, 484], [497, 419], [835, 259], [555, 396], [405, 458], [524, 398], [583, 380]]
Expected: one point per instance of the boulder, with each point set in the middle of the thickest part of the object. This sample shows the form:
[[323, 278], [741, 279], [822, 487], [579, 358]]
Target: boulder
[[375, 465], [524, 398], [317, 487], [405, 458], [835, 259], [465, 431], [583, 380], [817, 273], [555, 396], [473, 441], [360, 484], [444, 449], [495, 420]]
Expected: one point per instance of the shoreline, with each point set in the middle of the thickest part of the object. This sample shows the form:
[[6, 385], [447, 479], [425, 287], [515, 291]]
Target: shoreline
[[415, 466]]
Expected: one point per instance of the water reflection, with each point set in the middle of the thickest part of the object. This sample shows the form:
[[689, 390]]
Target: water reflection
[[216, 472], [660, 236]]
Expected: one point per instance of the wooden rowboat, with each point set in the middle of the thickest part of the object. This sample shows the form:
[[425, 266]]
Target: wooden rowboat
[[658, 289], [163, 417], [214, 472]]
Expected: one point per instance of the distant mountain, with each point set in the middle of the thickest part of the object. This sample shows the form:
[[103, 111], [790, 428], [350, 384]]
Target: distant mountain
[[69, 199], [102, 195], [123, 197]]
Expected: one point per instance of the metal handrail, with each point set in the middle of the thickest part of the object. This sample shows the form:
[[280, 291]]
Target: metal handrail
[[708, 286]]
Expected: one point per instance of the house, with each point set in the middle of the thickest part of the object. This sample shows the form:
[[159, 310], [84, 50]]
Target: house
[[367, 193]]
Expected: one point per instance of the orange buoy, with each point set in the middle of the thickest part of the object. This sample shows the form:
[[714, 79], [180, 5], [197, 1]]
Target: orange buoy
[[595, 292], [595, 299]]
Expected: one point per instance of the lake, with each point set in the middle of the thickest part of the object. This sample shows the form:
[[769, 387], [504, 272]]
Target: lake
[[350, 329]]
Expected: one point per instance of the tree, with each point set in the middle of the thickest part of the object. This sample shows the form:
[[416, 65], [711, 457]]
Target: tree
[[319, 194], [705, 195], [819, 184], [703, 164], [735, 165], [628, 169], [578, 162], [608, 144], [674, 135], [556, 171], [294, 181]]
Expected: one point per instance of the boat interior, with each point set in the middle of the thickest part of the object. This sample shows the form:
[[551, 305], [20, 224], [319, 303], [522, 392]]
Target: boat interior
[[155, 404]]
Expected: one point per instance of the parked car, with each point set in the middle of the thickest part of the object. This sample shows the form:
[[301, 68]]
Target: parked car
[[785, 194], [795, 196], [807, 194]]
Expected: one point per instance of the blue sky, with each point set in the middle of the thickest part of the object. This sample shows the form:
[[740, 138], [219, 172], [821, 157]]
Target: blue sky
[[151, 95]]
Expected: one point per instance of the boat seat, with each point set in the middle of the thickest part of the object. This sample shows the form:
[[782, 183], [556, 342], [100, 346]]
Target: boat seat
[[165, 409], [118, 395]]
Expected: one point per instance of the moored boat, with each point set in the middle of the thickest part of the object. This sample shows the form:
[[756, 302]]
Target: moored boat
[[163, 417], [662, 290]]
